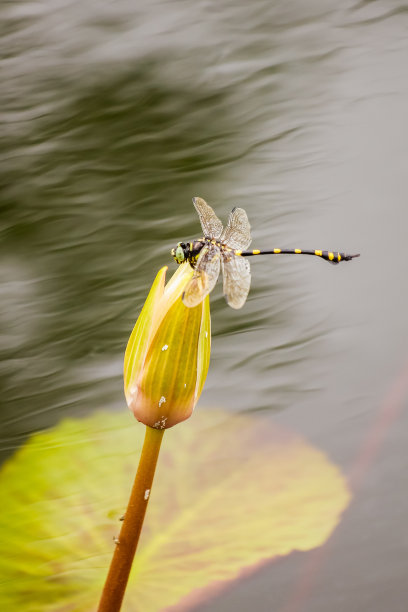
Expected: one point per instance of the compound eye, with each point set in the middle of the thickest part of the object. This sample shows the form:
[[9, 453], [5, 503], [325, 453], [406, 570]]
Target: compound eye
[[179, 256]]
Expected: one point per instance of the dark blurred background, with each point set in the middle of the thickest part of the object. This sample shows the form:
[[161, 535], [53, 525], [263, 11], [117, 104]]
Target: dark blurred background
[[113, 115]]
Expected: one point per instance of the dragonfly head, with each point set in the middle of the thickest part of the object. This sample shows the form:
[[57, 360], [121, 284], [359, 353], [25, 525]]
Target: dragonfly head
[[180, 253]]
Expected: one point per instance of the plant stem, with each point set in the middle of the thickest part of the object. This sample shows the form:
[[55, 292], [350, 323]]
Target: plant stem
[[125, 549]]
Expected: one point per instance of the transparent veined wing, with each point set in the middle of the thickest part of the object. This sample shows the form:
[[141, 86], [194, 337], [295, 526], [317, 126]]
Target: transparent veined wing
[[205, 275], [237, 279], [237, 233], [210, 223]]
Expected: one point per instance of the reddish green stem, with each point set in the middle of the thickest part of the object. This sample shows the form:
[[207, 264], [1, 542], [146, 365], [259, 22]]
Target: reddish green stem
[[116, 581]]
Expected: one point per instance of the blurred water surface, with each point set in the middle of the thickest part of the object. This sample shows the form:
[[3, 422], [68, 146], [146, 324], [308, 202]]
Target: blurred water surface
[[114, 114]]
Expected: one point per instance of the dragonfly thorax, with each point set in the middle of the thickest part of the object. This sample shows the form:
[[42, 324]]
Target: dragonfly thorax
[[187, 252]]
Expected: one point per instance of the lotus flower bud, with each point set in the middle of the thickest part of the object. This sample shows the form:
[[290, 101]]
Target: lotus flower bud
[[168, 353]]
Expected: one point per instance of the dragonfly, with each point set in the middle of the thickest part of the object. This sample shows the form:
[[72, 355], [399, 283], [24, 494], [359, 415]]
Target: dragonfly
[[226, 249]]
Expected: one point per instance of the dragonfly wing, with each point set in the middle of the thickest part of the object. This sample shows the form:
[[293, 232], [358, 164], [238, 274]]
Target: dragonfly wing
[[237, 279], [212, 226], [237, 233], [205, 276]]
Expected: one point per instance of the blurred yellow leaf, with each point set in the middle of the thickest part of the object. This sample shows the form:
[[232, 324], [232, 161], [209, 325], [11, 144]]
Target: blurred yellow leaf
[[230, 492]]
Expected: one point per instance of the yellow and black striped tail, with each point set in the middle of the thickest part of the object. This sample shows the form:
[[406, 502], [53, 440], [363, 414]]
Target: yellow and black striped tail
[[330, 256]]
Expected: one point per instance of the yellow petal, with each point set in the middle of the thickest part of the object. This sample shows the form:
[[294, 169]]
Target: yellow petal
[[177, 284], [166, 391], [204, 346], [139, 339]]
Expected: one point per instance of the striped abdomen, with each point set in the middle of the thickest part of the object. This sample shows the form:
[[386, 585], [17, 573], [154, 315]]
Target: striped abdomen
[[333, 257]]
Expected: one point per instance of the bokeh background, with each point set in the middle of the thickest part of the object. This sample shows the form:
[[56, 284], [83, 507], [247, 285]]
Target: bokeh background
[[113, 115]]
